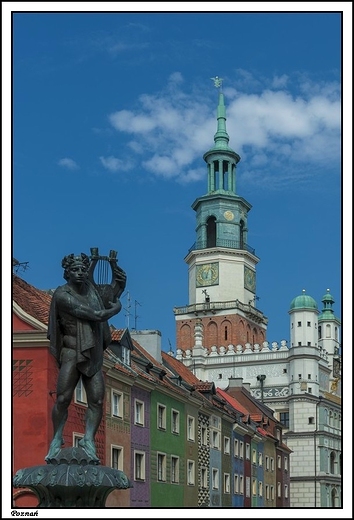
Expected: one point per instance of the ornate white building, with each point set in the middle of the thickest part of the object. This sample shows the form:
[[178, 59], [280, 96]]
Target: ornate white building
[[221, 334]]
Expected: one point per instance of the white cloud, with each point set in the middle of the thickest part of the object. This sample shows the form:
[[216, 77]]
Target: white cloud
[[70, 164], [275, 123], [113, 164]]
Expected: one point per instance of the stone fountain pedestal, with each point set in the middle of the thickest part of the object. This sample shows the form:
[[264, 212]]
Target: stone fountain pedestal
[[71, 479]]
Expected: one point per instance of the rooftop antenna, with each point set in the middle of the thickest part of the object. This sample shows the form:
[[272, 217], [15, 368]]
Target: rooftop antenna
[[19, 266], [170, 352], [127, 308], [136, 303]]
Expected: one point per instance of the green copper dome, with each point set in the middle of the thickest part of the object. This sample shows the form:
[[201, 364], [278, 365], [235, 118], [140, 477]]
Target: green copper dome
[[304, 301], [327, 311]]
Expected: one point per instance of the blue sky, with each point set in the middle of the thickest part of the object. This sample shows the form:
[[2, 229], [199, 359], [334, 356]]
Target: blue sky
[[112, 113]]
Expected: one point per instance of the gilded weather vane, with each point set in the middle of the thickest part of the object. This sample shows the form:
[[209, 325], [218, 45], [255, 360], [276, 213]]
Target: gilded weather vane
[[217, 81]]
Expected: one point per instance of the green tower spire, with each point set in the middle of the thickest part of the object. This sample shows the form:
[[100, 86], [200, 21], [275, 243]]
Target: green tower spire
[[221, 159]]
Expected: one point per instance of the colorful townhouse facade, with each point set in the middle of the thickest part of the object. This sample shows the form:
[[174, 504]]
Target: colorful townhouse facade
[[181, 441]]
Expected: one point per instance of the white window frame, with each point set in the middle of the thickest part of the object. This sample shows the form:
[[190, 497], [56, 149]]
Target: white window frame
[[119, 451], [174, 421], [285, 463], [267, 463], [126, 356], [279, 461], [279, 489], [272, 492], [254, 456], [271, 464], [215, 478], [76, 438], [254, 487], [215, 439], [248, 451], [116, 411], [260, 488], [190, 428], [161, 416], [80, 393], [241, 449], [190, 472], [227, 487], [260, 458], [227, 445], [267, 492], [174, 469], [286, 491], [236, 483], [161, 467], [236, 447], [139, 455], [241, 485], [139, 413]]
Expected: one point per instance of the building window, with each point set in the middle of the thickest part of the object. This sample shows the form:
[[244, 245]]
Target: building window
[[139, 413], [284, 419], [271, 464], [126, 355], [267, 492], [260, 458], [241, 485], [308, 376], [227, 445], [319, 332], [139, 465], [241, 450], [267, 463], [175, 421], [328, 331], [190, 472], [236, 483], [285, 371], [215, 437], [80, 393], [279, 461], [226, 483], [161, 467], [215, 478], [203, 436], [117, 457], [279, 489], [225, 333], [272, 492], [117, 408], [248, 451], [161, 417], [174, 469], [76, 438], [260, 489], [254, 487], [299, 323], [203, 478], [286, 463], [235, 448], [286, 492], [190, 428], [309, 324], [254, 456]]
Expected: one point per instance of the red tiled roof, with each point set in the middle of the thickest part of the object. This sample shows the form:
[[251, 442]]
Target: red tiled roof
[[33, 301], [180, 368], [233, 402], [116, 334]]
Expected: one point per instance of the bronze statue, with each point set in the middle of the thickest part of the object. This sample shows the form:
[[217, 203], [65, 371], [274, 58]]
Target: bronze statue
[[79, 333]]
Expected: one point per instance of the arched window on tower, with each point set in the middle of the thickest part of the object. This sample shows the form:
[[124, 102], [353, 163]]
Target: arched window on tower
[[319, 332], [242, 231], [328, 331], [211, 231], [225, 178]]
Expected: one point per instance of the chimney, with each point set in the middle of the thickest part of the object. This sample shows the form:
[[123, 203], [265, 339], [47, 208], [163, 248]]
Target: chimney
[[150, 340], [235, 382]]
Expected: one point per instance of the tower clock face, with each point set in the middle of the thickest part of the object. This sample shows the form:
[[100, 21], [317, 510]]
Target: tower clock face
[[207, 274], [250, 280]]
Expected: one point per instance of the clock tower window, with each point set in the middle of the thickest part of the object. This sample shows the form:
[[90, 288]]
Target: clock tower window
[[211, 232], [242, 230]]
